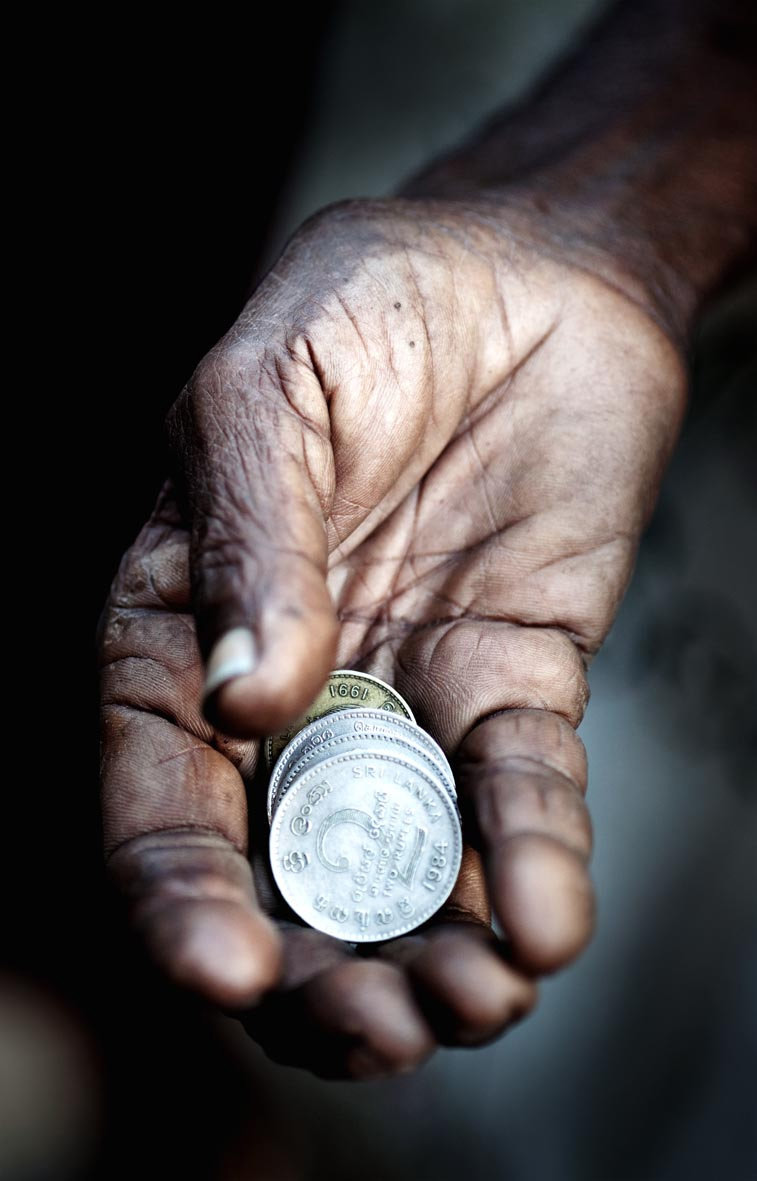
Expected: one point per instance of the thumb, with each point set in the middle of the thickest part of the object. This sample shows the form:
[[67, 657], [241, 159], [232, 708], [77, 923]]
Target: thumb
[[251, 438]]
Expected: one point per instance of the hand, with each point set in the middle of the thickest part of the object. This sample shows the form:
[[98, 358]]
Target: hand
[[427, 449]]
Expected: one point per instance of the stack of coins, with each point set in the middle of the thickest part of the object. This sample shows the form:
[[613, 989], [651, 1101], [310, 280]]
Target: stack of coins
[[366, 840]]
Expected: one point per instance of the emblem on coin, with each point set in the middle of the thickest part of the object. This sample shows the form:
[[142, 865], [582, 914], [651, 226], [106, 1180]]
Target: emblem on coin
[[379, 850]]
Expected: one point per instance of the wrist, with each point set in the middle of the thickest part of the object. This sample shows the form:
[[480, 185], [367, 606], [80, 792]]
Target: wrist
[[636, 160], [605, 228], [578, 233]]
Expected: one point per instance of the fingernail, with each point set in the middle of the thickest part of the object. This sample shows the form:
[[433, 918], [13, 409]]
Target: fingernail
[[234, 655]]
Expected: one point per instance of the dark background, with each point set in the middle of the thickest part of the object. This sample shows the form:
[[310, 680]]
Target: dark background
[[185, 156]]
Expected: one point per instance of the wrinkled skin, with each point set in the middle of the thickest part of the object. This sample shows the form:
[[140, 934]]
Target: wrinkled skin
[[427, 449]]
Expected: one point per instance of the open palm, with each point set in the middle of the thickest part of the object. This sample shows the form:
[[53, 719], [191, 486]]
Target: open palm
[[427, 449]]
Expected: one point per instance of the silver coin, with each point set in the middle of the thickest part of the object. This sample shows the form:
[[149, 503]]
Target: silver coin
[[403, 745], [342, 737], [330, 741], [365, 846], [362, 723]]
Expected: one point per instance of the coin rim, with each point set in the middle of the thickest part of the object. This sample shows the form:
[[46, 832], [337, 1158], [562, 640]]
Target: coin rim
[[416, 749], [370, 714], [279, 817]]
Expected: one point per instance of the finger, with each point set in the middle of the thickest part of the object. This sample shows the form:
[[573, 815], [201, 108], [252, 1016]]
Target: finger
[[252, 442], [467, 991], [338, 1015], [521, 774], [190, 898], [174, 812], [524, 774]]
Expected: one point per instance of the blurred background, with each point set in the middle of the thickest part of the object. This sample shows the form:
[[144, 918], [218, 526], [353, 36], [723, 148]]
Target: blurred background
[[640, 1062]]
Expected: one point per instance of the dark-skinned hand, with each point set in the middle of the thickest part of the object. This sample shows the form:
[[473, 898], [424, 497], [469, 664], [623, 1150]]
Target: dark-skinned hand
[[427, 449]]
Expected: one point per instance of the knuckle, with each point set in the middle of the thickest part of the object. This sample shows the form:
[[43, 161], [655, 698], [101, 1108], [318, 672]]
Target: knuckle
[[214, 404], [534, 802], [152, 577], [487, 1015], [498, 666], [153, 664], [217, 368], [190, 883], [525, 738], [559, 672], [473, 994], [178, 864], [164, 639], [344, 216], [401, 1057]]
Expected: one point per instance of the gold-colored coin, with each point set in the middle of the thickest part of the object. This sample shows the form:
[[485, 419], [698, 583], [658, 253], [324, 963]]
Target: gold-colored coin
[[344, 689]]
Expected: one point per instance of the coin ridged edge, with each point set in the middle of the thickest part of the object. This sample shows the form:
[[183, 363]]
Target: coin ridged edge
[[404, 726], [361, 743]]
